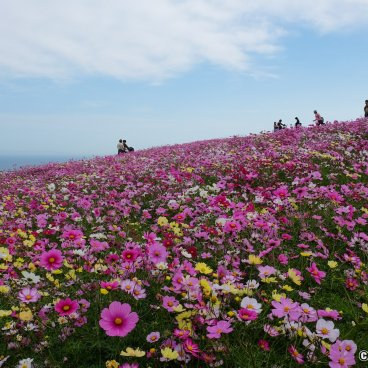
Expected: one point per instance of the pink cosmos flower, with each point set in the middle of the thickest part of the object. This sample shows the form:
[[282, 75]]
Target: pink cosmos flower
[[169, 302], [286, 307], [342, 354], [65, 307], [351, 283], [110, 285], [266, 271], [130, 255], [264, 345], [296, 355], [153, 337], [191, 347], [29, 295], [52, 260], [216, 330], [157, 253], [247, 314], [316, 273], [118, 319], [181, 334]]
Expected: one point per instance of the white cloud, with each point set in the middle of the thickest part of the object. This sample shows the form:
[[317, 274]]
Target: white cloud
[[154, 39]]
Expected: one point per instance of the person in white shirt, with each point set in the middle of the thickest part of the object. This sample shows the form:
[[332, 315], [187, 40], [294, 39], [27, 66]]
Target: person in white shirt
[[121, 147]]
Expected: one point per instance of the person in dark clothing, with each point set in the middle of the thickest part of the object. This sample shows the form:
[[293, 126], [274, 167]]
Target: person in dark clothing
[[280, 125], [275, 127], [366, 109], [297, 123]]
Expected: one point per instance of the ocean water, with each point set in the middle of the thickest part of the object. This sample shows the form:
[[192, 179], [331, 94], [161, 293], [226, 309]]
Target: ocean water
[[15, 162]]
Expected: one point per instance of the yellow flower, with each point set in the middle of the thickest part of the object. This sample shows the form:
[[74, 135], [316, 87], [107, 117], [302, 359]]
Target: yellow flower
[[169, 354], [26, 315], [203, 268], [162, 221], [4, 254], [133, 353], [205, 285], [112, 364], [365, 307], [178, 309], [306, 254], [4, 289], [268, 280], [5, 313], [104, 291], [255, 260], [287, 288], [277, 296], [295, 278], [332, 264]]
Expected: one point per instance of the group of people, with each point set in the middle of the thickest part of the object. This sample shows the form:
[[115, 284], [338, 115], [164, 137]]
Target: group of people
[[280, 125], [318, 119], [123, 147]]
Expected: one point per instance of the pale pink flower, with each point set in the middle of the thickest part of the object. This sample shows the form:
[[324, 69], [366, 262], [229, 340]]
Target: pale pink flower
[[153, 337], [326, 330], [29, 295], [214, 332]]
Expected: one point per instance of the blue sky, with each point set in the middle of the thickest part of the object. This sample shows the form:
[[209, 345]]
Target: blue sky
[[75, 76]]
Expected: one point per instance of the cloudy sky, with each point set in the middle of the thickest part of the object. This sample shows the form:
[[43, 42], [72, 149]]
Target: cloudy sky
[[77, 75]]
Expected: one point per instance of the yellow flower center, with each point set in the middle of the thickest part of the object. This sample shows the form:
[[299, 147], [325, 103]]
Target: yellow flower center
[[118, 321], [51, 259], [66, 308], [28, 297], [324, 331]]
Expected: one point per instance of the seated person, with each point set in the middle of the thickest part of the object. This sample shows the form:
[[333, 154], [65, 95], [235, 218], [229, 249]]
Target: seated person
[[121, 147]]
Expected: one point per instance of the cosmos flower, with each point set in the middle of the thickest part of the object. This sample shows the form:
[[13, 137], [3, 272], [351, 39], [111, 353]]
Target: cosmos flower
[[52, 260], [29, 295], [65, 307], [118, 319]]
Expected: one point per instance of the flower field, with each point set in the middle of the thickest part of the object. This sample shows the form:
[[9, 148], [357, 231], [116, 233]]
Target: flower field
[[239, 252]]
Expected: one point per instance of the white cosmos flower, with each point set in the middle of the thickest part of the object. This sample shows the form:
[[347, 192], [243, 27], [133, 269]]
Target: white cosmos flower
[[326, 330], [252, 304]]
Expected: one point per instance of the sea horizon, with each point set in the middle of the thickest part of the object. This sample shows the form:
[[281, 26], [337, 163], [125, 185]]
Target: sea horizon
[[13, 162]]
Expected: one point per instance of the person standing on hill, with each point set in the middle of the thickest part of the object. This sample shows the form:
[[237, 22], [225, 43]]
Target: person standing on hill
[[318, 118], [366, 109]]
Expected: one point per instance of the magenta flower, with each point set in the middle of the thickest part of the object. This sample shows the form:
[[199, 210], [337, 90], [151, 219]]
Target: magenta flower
[[191, 347], [118, 319], [130, 255], [52, 260], [157, 253], [247, 314], [316, 273], [29, 295], [296, 355], [65, 307], [220, 327]]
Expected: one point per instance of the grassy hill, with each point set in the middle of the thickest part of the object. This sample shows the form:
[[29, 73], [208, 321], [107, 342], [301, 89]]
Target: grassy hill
[[246, 252]]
